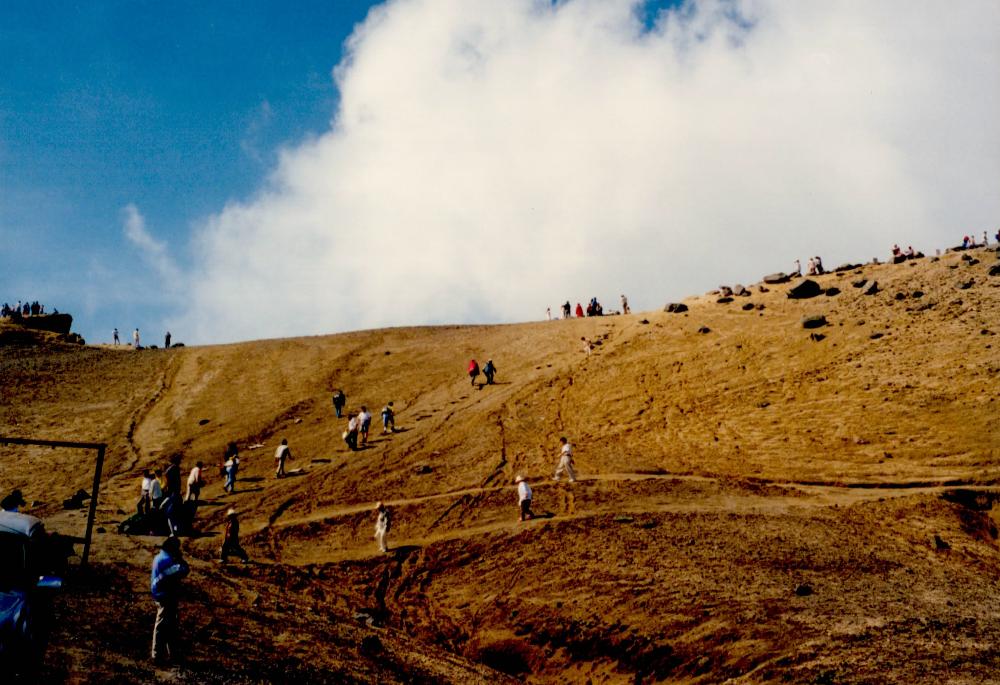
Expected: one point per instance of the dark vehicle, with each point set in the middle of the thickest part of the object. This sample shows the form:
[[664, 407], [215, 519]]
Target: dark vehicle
[[25, 599]]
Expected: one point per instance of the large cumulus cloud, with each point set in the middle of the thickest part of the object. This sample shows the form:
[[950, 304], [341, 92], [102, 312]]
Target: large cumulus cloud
[[489, 159]]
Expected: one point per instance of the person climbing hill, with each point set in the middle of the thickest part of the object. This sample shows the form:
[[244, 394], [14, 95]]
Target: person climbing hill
[[473, 371]]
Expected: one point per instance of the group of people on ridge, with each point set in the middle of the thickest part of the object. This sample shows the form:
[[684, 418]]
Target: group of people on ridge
[[25, 309]]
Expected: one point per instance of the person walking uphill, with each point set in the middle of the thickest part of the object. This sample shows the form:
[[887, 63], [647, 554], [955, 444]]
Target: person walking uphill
[[231, 466], [169, 568], [473, 370], [388, 419], [489, 371], [231, 539], [524, 498], [339, 400], [365, 421], [566, 464], [280, 455], [383, 522], [351, 434]]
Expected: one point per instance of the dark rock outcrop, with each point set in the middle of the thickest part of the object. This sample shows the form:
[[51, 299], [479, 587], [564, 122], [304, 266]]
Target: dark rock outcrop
[[676, 307], [774, 279], [804, 290], [814, 321]]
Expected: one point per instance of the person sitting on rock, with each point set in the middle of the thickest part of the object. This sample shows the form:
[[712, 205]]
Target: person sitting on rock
[[910, 253]]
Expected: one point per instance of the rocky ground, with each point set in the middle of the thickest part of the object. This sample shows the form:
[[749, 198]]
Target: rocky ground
[[758, 501]]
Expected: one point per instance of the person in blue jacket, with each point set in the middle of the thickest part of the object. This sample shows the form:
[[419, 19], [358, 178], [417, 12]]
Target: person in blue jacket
[[169, 568]]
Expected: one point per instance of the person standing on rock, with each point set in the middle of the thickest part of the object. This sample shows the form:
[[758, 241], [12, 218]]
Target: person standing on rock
[[280, 455], [524, 498], [383, 522], [231, 539], [473, 370], [566, 464], [169, 568], [339, 400]]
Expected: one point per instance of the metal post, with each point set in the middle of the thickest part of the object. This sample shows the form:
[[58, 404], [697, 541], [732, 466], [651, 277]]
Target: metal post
[[93, 505]]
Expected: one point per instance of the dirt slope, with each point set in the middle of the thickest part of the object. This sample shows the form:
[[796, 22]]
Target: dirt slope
[[755, 504]]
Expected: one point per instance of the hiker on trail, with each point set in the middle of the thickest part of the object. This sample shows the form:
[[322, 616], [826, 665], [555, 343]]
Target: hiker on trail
[[135, 339], [114, 335], [473, 370], [169, 568], [13, 501], [231, 539], [383, 522], [567, 309], [625, 309], [339, 400], [365, 421], [566, 464], [194, 483], [156, 489], [280, 455], [231, 466], [166, 340], [489, 371], [351, 434], [524, 498], [579, 310], [145, 502], [388, 419], [587, 345]]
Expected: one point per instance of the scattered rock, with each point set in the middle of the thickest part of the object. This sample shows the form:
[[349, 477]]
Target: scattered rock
[[875, 336], [623, 519], [940, 544], [704, 329], [76, 501], [966, 285], [846, 267], [994, 270], [748, 306], [422, 469], [804, 290], [985, 331], [957, 303], [763, 289], [644, 321], [900, 296], [102, 529], [973, 262], [872, 289], [725, 290], [817, 337], [814, 321], [831, 292], [803, 590], [774, 279], [917, 294], [860, 284], [724, 300], [760, 307], [966, 258], [203, 422], [676, 307], [740, 291]]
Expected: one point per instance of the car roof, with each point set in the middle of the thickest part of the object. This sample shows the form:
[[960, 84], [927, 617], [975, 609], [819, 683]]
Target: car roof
[[19, 524]]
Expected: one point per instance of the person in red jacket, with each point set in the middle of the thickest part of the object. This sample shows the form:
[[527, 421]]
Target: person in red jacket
[[579, 310], [473, 370]]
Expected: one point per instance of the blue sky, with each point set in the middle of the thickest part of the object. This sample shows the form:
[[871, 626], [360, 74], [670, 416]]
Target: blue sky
[[177, 107], [195, 166]]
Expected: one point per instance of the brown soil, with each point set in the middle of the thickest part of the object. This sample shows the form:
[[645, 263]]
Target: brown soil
[[754, 505]]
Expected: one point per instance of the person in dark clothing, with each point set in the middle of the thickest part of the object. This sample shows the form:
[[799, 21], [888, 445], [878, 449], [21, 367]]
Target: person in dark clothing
[[489, 371], [166, 340], [172, 476], [339, 400], [231, 539]]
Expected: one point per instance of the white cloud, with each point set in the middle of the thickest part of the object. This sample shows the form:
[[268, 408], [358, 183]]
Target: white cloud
[[154, 252], [489, 159]]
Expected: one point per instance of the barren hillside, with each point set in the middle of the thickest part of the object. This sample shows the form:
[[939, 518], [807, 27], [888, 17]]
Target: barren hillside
[[757, 502]]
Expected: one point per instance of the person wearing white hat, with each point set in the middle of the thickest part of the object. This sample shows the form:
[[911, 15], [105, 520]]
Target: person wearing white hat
[[524, 498], [383, 522], [231, 539]]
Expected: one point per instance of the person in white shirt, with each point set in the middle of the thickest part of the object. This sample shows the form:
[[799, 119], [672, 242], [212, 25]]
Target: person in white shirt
[[194, 483], [280, 455], [365, 423], [135, 339], [145, 500], [383, 522], [565, 462], [156, 489], [524, 498], [351, 434]]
